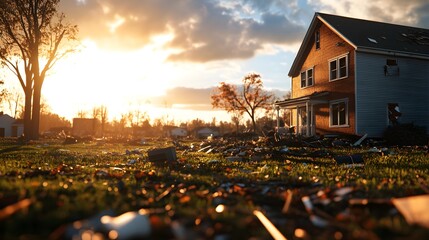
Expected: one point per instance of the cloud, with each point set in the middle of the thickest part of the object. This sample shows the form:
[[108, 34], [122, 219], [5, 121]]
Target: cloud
[[411, 12], [203, 30]]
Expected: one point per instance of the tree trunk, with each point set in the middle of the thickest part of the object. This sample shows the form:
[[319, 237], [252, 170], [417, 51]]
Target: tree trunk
[[27, 114], [36, 111]]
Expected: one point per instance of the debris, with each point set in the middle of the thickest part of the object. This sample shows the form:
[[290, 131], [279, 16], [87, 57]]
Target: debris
[[11, 209], [288, 201], [354, 160], [165, 193], [162, 155], [204, 148], [129, 225], [414, 209], [359, 142], [213, 161], [234, 158], [275, 233], [70, 140]]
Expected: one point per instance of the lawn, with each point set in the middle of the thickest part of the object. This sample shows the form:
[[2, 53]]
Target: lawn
[[62, 191]]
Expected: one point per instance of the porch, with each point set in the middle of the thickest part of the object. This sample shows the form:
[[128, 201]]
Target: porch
[[304, 107]]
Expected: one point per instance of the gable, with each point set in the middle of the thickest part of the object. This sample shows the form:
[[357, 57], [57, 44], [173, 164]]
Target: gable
[[6, 120], [364, 35]]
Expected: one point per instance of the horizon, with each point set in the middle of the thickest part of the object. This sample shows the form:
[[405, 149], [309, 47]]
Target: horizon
[[138, 55]]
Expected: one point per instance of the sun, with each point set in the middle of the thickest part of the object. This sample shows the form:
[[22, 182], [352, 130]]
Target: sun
[[116, 79]]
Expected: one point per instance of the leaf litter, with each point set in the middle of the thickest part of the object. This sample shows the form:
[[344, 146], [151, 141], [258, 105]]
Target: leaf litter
[[222, 189]]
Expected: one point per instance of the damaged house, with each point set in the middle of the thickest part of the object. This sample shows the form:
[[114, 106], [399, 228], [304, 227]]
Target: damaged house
[[353, 76]]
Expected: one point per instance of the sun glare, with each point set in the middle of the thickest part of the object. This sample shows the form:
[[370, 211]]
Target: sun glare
[[118, 80]]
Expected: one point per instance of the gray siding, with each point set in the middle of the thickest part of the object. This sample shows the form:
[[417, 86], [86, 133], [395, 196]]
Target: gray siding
[[374, 91]]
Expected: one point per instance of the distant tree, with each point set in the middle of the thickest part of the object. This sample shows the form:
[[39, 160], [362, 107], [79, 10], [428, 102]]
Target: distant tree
[[251, 97], [82, 114], [49, 121], [101, 113], [32, 33], [14, 101], [236, 118], [3, 92]]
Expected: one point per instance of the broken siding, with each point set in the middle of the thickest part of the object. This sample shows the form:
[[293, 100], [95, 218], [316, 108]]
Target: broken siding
[[374, 91]]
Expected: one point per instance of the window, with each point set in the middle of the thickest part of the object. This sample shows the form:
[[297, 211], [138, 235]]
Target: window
[[317, 39], [338, 68], [393, 113], [338, 112], [307, 78], [391, 68]]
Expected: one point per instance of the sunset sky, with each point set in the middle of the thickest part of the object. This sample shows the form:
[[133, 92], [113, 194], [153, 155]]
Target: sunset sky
[[146, 54]]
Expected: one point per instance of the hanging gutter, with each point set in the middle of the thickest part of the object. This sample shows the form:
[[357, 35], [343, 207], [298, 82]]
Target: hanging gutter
[[393, 53]]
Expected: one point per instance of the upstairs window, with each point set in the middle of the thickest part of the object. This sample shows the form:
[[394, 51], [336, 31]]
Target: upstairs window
[[338, 68], [391, 68], [307, 78], [317, 39]]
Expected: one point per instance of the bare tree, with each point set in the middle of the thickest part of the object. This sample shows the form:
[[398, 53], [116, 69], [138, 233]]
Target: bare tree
[[101, 113], [32, 35], [236, 118], [3, 92], [249, 99], [82, 114], [14, 101]]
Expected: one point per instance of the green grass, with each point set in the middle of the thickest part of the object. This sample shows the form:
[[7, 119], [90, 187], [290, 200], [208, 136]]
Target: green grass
[[75, 182]]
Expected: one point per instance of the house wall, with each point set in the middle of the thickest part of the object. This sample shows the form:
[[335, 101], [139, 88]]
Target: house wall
[[6, 122], [339, 89], [375, 90]]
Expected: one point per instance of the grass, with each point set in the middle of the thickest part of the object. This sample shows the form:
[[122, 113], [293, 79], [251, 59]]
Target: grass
[[69, 183]]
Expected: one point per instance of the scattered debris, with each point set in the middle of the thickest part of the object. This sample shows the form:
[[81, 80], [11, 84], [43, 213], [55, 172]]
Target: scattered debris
[[414, 209], [354, 160], [11, 209], [275, 233], [162, 155]]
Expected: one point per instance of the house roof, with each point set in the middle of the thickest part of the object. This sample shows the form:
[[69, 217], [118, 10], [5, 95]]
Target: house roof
[[370, 36]]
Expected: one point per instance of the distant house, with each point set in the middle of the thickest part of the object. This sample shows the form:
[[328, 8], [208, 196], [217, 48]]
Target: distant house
[[353, 76], [10, 127], [204, 132], [85, 127], [175, 132]]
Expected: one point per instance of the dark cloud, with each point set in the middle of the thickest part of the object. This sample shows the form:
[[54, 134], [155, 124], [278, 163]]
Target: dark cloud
[[277, 29], [204, 29]]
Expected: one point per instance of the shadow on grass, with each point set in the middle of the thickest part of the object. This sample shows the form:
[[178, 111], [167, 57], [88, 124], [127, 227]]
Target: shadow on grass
[[15, 148]]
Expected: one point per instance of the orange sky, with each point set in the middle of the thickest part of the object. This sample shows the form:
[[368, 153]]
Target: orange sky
[[153, 55]]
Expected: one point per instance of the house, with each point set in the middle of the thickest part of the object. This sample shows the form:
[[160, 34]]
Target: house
[[85, 127], [353, 76], [175, 132], [10, 127], [204, 132]]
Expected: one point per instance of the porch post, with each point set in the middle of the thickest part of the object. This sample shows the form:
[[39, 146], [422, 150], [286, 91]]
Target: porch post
[[278, 117], [307, 130], [313, 122], [298, 127]]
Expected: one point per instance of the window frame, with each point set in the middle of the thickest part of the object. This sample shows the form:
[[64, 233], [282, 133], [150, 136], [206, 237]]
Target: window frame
[[306, 73], [331, 113], [317, 39], [338, 67]]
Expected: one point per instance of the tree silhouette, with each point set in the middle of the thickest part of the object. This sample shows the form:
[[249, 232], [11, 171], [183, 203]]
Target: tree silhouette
[[32, 38], [249, 99]]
